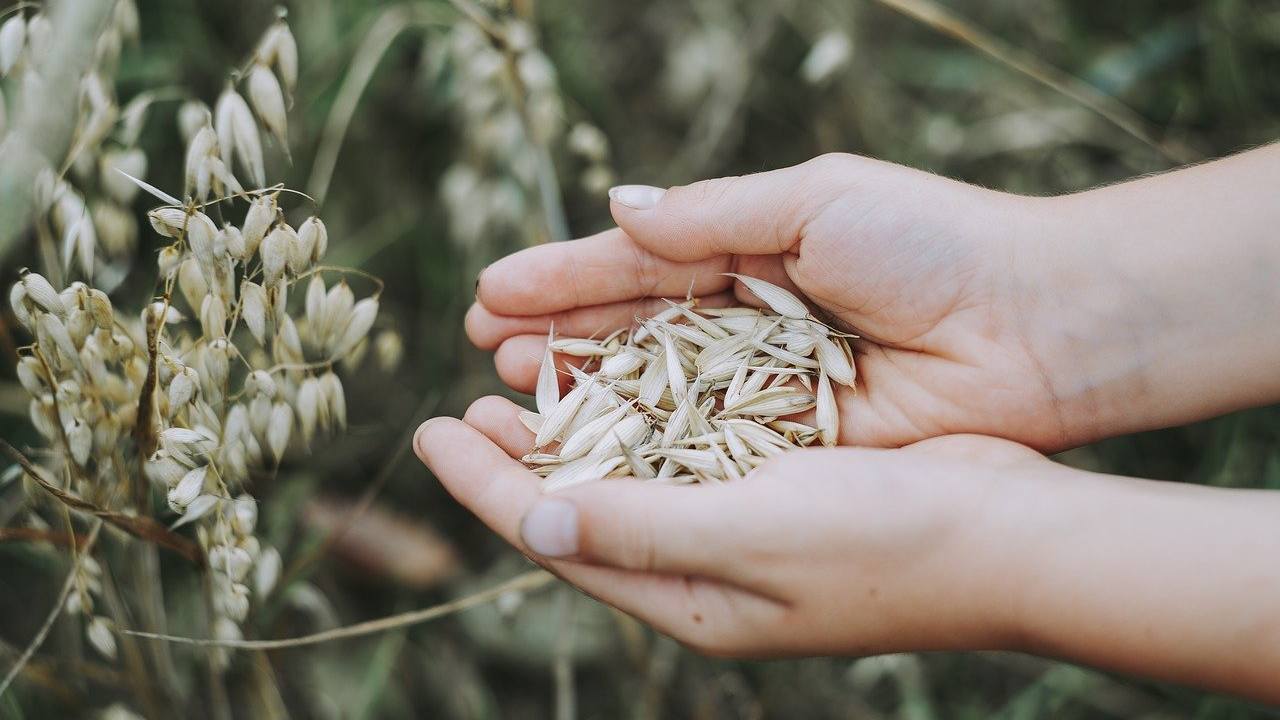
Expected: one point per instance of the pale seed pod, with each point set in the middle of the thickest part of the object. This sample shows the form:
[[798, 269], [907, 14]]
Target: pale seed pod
[[338, 307], [182, 494], [101, 637], [236, 602], [260, 416], [313, 239], [18, 301], [260, 382], [308, 405], [116, 228], [238, 136], [40, 411], [39, 31], [352, 361], [192, 116], [335, 399], [192, 284], [278, 295], [237, 562], [362, 317], [31, 376], [215, 171], [217, 367], [279, 428], [81, 239], [389, 349], [100, 308], [779, 300], [168, 221], [286, 57], [236, 426], [315, 308], [275, 254], [268, 103], [42, 293], [13, 35], [253, 308], [196, 510], [213, 317], [548, 389], [827, 412], [288, 344], [300, 250], [79, 440], [133, 162], [833, 359], [51, 333], [262, 212], [203, 145], [163, 469], [201, 235], [266, 571], [79, 325], [181, 389], [231, 237], [183, 438], [169, 260], [244, 516]]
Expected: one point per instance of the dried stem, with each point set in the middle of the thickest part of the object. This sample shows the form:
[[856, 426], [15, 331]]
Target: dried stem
[[385, 30], [1117, 113], [52, 617], [525, 582], [143, 528]]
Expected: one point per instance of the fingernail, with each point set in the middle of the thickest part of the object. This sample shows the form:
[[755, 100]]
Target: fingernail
[[550, 529], [636, 197]]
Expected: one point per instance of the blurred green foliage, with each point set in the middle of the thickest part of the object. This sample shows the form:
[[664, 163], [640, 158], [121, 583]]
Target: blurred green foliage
[[683, 91]]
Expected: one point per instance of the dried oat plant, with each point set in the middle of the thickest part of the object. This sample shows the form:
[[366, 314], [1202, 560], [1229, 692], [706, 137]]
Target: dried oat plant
[[691, 395], [210, 386]]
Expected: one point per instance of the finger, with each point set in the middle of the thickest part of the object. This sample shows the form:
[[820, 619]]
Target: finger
[[498, 418], [604, 268], [748, 215], [498, 490], [488, 329], [648, 527], [518, 360]]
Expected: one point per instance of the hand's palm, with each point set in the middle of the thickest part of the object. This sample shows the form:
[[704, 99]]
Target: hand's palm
[[926, 287]]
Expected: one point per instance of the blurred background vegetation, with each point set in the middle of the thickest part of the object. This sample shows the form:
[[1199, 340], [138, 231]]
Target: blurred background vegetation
[[439, 173]]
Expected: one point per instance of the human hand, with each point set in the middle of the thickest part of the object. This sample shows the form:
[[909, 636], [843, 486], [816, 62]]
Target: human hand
[[959, 542], [922, 267], [816, 552]]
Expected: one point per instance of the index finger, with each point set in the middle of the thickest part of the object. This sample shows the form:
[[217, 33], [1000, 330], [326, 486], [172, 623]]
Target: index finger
[[605, 268]]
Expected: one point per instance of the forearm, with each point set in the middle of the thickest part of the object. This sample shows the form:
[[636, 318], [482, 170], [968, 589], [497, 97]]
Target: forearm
[[1170, 581], [1160, 301]]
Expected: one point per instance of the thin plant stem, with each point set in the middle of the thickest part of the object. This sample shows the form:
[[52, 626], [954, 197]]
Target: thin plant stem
[[54, 612], [377, 41], [525, 582], [945, 21]]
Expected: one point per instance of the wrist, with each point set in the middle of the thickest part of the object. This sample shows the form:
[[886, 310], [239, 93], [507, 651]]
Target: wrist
[[1096, 328], [1132, 295]]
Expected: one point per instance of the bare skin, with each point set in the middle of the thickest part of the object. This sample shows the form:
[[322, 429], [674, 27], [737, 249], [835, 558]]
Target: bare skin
[[1044, 322]]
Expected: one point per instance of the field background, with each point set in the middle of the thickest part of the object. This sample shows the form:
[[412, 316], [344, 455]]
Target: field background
[[682, 90]]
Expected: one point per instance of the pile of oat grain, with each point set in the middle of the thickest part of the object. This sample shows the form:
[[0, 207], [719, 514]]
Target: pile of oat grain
[[690, 395]]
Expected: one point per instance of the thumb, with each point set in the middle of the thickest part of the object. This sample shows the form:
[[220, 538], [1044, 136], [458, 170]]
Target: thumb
[[758, 214], [648, 528]]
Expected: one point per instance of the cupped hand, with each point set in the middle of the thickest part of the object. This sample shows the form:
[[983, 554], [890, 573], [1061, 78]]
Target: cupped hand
[[848, 551], [927, 270]]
